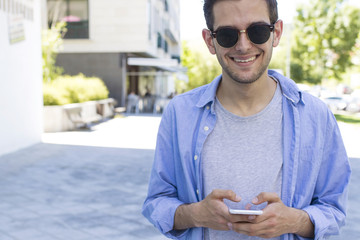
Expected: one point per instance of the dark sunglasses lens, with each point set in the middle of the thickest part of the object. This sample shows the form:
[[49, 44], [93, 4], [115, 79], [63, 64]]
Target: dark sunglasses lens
[[259, 34], [227, 37]]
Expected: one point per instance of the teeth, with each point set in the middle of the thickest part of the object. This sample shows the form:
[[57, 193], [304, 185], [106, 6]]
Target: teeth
[[244, 60]]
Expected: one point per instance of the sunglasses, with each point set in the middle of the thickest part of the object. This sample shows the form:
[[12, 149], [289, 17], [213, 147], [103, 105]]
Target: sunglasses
[[227, 37]]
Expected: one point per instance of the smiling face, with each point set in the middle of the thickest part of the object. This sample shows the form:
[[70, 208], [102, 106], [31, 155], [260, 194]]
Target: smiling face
[[245, 62]]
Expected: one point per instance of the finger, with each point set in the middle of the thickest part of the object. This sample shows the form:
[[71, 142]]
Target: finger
[[252, 229], [228, 194], [266, 197], [248, 229], [239, 218], [248, 206]]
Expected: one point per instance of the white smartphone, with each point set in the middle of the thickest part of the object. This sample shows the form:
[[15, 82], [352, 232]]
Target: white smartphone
[[245, 212]]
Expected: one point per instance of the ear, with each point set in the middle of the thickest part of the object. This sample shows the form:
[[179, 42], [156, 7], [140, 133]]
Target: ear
[[278, 32], [209, 41]]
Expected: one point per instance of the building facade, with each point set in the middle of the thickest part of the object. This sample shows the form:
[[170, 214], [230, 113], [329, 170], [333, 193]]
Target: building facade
[[20, 74], [134, 46]]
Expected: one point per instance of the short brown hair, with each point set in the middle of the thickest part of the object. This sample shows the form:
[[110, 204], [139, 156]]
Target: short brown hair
[[209, 16]]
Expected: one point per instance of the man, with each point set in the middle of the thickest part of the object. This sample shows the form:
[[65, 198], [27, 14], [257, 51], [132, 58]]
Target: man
[[132, 103], [248, 140]]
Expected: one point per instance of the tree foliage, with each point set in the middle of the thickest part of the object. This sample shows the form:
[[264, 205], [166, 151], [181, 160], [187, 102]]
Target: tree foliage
[[280, 53], [202, 68], [51, 44], [325, 34], [356, 54]]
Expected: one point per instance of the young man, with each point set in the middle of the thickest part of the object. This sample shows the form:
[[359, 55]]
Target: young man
[[248, 140]]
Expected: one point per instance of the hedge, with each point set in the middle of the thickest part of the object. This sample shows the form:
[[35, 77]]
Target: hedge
[[74, 89]]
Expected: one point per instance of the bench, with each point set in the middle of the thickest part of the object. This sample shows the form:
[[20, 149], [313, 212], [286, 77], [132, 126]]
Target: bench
[[83, 114], [106, 107]]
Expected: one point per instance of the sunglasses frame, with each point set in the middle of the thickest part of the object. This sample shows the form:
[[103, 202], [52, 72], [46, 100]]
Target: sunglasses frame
[[270, 26]]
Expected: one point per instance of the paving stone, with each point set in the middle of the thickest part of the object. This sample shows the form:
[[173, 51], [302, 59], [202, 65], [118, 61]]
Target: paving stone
[[58, 191], [6, 237]]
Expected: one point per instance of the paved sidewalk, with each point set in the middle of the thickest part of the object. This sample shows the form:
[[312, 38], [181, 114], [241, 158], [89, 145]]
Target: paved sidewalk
[[74, 192], [90, 185]]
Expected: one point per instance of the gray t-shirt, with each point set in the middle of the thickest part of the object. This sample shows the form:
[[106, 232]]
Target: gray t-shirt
[[244, 154]]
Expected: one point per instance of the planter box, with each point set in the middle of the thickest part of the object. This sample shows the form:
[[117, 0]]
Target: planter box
[[56, 119], [72, 116]]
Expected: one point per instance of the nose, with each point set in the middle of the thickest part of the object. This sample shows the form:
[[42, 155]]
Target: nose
[[243, 43]]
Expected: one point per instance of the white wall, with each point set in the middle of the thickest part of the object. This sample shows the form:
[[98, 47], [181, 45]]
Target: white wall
[[20, 79], [115, 26], [123, 26]]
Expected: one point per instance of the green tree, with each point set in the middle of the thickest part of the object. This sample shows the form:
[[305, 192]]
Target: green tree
[[280, 53], [324, 37], [51, 44], [356, 54], [202, 68]]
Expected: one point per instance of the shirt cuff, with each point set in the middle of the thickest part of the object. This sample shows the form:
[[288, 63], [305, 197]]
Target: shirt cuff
[[323, 225], [163, 217]]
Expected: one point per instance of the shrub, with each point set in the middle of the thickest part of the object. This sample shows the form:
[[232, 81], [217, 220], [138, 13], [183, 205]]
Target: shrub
[[53, 95], [74, 89]]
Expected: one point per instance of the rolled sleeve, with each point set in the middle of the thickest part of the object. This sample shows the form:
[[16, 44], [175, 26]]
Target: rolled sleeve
[[161, 213]]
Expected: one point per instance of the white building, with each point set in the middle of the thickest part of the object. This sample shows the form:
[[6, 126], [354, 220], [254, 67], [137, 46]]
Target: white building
[[133, 45], [20, 74]]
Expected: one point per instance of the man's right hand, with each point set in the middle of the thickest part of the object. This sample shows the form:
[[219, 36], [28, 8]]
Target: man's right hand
[[211, 212]]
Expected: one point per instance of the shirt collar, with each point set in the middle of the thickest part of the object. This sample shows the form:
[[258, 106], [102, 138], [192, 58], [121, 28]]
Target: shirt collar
[[288, 87], [210, 93]]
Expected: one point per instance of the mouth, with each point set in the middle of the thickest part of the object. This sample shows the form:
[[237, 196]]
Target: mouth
[[244, 60]]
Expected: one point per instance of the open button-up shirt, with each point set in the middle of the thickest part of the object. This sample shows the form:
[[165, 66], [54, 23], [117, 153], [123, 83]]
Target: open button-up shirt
[[316, 170]]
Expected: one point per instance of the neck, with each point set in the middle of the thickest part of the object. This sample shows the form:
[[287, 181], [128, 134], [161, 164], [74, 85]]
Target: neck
[[246, 99]]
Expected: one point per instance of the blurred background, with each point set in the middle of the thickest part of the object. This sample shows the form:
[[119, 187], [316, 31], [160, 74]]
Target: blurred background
[[98, 74], [135, 56]]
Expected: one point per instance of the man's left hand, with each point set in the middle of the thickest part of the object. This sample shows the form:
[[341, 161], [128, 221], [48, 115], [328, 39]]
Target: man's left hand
[[277, 219]]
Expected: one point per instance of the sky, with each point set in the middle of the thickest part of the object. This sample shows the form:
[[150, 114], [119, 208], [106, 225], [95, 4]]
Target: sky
[[192, 17]]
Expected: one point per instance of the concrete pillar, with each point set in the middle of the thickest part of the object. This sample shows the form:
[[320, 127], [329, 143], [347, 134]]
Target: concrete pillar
[[123, 69]]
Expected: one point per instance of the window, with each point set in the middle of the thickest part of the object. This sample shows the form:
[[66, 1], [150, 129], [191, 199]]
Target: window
[[74, 13], [149, 10], [166, 46], [176, 57], [166, 6], [159, 40]]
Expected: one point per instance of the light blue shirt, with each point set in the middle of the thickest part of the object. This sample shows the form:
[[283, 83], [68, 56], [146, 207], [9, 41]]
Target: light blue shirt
[[316, 170]]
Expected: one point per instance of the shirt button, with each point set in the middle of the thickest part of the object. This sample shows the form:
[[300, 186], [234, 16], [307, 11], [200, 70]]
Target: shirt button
[[207, 107], [206, 128], [196, 157], [197, 191]]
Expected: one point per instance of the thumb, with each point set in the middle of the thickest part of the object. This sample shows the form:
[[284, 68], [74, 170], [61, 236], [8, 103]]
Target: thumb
[[226, 194], [266, 197]]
